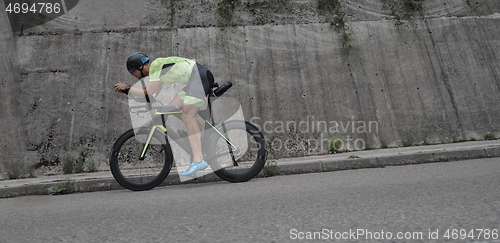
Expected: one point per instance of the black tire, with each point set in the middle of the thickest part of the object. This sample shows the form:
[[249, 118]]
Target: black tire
[[250, 162], [140, 175]]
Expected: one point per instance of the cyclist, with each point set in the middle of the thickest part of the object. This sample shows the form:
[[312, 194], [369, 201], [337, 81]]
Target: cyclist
[[169, 70]]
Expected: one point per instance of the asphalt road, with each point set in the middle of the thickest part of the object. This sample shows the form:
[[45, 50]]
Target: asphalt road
[[417, 203]]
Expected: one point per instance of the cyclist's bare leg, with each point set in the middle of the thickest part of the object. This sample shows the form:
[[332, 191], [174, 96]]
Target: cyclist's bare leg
[[193, 126], [193, 129], [179, 102]]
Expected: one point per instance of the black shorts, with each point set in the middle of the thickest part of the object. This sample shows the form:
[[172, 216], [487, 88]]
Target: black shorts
[[199, 86]]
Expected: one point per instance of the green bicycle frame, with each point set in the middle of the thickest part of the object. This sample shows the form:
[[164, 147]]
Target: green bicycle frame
[[164, 129]]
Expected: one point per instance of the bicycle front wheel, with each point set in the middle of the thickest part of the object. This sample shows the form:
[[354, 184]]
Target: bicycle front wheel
[[136, 173], [237, 152]]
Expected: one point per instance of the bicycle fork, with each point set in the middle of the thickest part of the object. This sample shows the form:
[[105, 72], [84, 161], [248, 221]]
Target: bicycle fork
[[148, 140]]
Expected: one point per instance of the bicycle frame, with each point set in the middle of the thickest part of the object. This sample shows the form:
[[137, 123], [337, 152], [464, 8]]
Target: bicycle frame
[[159, 122]]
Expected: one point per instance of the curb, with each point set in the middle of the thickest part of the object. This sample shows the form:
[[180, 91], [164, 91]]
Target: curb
[[55, 185], [327, 165]]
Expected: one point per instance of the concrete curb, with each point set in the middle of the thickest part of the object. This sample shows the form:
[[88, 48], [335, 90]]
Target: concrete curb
[[326, 165], [103, 181]]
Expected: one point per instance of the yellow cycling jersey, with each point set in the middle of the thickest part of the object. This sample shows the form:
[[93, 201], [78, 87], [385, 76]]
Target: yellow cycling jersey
[[171, 70]]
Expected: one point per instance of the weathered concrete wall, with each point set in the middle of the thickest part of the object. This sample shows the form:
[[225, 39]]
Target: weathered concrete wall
[[12, 129], [436, 81]]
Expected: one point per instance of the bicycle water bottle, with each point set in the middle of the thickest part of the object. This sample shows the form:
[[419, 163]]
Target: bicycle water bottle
[[222, 89]]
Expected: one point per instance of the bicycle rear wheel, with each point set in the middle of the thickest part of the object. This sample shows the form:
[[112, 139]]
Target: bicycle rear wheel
[[141, 174], [242, 157]]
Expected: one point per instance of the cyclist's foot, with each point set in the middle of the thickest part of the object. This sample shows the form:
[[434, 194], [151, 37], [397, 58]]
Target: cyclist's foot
[[194, 167]]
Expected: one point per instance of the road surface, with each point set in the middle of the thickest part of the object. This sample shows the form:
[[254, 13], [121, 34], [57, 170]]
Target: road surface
[[417, 203]]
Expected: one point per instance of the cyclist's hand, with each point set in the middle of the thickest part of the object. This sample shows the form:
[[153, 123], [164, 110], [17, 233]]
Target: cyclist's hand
[[120, 87]]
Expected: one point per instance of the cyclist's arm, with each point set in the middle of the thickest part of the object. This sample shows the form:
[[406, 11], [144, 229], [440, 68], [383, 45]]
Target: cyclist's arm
[[150, 89]]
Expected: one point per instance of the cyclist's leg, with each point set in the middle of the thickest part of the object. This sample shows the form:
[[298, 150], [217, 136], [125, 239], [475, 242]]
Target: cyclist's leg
[[195, 95], [189, 113], [199, 87], [179, 102]]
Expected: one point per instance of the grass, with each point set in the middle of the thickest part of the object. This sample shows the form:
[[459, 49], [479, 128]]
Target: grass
[[490, 136], [337, 18], [335, 144], [384, 144], [91, 167], [271, 169], [13, 175], [17, 173], [79, 166], [68, 165], [458, 140], [67, 188], [407, 143]]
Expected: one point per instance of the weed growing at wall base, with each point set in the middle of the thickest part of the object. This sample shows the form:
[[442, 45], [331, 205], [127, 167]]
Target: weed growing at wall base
[[490, 136], [91, 167], [67, 188], [68, 165], [271, 169], [79, 166], [13, 175], [335, 144]]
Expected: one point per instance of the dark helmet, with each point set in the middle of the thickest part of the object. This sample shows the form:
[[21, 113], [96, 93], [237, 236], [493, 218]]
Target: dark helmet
[[136, 61]]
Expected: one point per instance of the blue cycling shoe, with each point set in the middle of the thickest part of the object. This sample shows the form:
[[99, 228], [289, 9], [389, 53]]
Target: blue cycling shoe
[[194, 167]]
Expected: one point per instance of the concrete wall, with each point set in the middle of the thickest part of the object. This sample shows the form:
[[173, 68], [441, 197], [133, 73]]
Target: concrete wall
[[12, 128], [436, 81]]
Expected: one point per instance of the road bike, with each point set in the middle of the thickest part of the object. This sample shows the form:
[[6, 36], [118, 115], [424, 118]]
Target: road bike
[[141, 158]]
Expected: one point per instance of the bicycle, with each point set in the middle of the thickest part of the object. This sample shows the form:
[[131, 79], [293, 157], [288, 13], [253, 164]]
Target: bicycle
[[142, 158]]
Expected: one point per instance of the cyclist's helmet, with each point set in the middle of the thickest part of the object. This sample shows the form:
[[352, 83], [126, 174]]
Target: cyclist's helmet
[[136, 61]]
